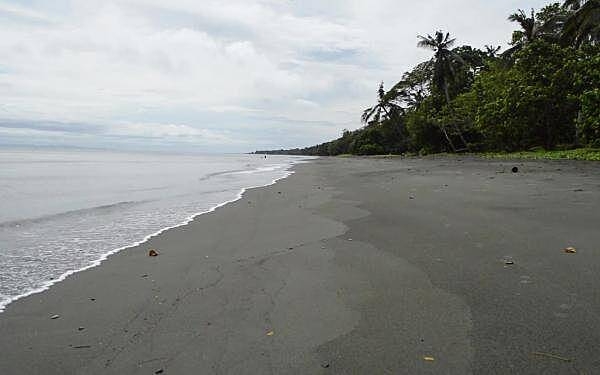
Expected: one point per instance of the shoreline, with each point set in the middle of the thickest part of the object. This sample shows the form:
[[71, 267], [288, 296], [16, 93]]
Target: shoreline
[[48, 284], [346, 266]]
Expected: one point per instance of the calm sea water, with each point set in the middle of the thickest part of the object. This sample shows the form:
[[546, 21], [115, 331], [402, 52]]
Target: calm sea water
[[64, 211]]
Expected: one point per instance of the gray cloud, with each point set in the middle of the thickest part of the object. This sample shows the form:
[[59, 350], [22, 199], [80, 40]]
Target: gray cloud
[[52, 126]]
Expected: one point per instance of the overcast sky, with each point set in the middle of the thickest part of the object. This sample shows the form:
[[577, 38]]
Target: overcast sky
[[210, 76]]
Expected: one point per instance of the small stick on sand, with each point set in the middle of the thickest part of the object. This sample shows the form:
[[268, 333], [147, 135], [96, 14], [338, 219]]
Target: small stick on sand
[[554, 356]]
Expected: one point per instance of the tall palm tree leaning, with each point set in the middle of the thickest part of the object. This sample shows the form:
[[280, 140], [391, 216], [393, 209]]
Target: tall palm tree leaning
[[444, 63], [583, 25], [384, 104]]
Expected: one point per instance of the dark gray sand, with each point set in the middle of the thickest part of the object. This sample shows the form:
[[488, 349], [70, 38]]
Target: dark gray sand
[[350, 266]]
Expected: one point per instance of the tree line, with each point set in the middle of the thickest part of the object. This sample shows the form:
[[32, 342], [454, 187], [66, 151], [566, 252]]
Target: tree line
[[542, 92]]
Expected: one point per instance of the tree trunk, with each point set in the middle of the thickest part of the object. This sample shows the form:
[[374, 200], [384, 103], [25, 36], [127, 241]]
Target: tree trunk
[[577, 122], [443, 129], [386, 112], [447, 93]]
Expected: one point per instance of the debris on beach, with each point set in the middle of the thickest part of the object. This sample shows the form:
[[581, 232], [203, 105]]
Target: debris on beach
[[570, 250], [152, 253], [55, 317], [159, 371], [80, 328], [325, 365], [508, 261], [515, 169], [411, 197], [428, 358], [270, 333]]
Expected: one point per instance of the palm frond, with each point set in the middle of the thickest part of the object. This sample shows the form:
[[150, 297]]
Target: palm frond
[[519, 17], [492, 51], [450, 43], [426, 42], [367, 114]]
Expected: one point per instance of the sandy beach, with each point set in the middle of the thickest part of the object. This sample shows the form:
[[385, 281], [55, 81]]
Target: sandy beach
[[349, 266]]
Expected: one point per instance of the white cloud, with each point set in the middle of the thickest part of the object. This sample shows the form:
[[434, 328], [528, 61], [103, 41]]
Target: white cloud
[[173, 132], [23, 13], [195, 70]]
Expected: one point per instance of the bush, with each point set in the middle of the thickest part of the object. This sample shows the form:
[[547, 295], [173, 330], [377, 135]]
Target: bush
[[528, 104], [370, 149]]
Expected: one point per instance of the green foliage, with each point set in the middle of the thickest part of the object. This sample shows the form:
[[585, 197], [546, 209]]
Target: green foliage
[[587, 92], [493, 111], [589, 122], [528, 104], [458, 119], [424, 132], [370, 149], [552, 18]]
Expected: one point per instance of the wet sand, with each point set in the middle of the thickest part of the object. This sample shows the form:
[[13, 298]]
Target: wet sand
[[349, 266]]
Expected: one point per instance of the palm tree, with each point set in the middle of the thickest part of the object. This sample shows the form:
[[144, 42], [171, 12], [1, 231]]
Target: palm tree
[[384, 109], [444, 61], [530, 29], [529, 26], [583, 25], [492, 51]]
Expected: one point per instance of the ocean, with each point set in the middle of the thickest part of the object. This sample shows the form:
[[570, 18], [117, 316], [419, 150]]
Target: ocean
[[63, 211]]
